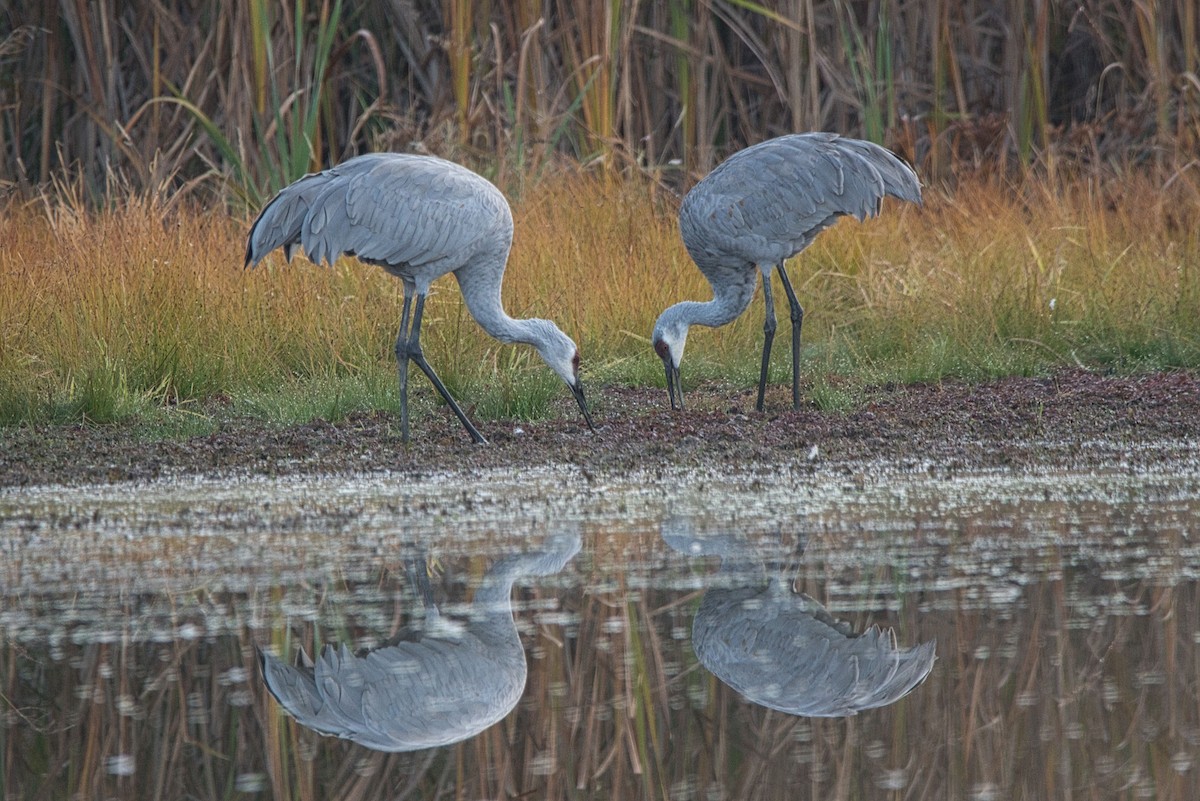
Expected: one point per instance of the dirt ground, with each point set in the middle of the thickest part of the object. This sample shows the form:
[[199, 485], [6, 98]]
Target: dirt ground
[[1074, 419]]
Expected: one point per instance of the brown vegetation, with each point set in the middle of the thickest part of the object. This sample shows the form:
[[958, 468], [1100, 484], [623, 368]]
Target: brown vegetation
[[161, 94]]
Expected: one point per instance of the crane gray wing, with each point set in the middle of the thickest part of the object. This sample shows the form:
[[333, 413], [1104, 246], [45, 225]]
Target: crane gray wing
[[391, 209], [899, 181], [787, 653], [768, 202], [278, 224], [460, 691], [837, 675], [884, 673], [296, 690], [405, 697]]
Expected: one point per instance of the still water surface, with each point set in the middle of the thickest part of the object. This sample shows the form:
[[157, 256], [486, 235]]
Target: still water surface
[[680, 635]]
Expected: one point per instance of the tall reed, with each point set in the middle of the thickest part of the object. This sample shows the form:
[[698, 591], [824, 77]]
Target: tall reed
[[272, 86]]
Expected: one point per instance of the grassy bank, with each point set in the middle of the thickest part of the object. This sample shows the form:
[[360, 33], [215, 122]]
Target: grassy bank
[[133, 312]]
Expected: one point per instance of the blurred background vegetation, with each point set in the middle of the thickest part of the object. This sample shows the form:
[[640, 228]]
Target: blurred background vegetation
[[230, 100]]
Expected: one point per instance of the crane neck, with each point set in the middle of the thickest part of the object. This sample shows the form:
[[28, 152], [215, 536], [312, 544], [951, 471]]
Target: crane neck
[[732, 292], [495, 588], [725, 307], [480, 283], [494, 594], [490, 613]]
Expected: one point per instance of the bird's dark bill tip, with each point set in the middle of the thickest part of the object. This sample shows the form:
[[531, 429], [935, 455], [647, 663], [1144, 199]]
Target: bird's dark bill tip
[[577, 391], [674, 386]]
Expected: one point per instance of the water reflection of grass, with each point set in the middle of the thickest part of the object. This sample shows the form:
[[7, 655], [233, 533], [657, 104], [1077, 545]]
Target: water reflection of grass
[[130, 313], [1084, 686]]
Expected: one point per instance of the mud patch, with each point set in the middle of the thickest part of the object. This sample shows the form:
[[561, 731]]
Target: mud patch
[[1072, 420]]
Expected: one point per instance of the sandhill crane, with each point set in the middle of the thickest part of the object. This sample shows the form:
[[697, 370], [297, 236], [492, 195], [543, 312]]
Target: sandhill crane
[[440, 684], [783, 649], [418, 217], [757, 209]]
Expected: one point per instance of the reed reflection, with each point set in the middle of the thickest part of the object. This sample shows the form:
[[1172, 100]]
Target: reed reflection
[[433, 684], [783, 649]]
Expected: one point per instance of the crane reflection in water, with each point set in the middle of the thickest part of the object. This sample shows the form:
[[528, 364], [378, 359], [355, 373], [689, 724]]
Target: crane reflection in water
[[436, 683], [783, 649]]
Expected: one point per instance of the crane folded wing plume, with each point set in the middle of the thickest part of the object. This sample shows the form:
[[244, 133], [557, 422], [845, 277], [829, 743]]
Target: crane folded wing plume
[[757, 209], [783, 650], [418, 217], [434, 685]]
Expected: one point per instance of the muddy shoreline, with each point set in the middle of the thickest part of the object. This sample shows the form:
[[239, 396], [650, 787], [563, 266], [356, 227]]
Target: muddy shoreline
[[1073, 419]]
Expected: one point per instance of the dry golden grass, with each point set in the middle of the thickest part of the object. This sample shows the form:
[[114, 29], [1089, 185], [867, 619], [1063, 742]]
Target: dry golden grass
[[116, 313]]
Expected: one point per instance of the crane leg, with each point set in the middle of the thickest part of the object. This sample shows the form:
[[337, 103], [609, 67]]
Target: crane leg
[[417, 572], [797, 323], [417, 355], [768, 338], [402, 365]]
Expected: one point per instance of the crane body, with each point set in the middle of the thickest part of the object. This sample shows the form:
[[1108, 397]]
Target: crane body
[[419, 218], [432, 685], [782, 649], [760, 207]]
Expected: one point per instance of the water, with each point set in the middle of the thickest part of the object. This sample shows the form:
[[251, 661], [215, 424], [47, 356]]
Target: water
[[1063, 610]]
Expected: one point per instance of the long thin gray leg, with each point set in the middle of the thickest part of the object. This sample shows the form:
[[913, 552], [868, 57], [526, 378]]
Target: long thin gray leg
[[415, 353], [402, 364], [417, 571], [797, 323], [768, 338]]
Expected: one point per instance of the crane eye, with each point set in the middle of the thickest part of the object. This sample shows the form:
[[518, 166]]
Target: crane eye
[[661, 349], [575, 362]]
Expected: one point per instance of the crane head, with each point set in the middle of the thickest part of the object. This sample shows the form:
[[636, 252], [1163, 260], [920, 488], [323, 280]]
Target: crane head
[[559, 352], [669, 339]]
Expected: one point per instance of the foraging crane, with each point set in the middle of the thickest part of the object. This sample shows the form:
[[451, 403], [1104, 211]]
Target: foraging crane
[[783, 650], [417, 217], [440, 684], [757, 209]]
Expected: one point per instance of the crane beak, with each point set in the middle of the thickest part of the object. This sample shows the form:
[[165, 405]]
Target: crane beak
[[673, 383], [577, 391]]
